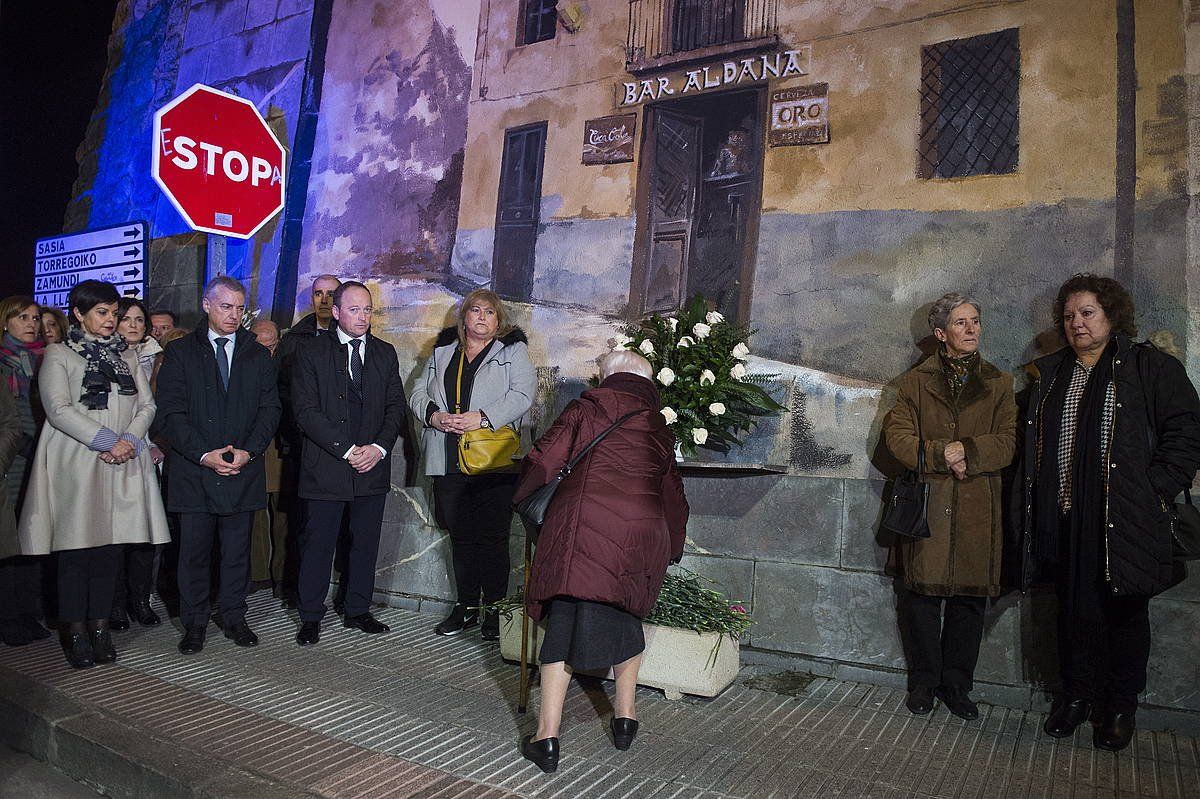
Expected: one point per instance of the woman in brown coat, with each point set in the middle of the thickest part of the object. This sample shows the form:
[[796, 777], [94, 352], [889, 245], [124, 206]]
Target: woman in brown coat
[[615, 525], [961, 409]]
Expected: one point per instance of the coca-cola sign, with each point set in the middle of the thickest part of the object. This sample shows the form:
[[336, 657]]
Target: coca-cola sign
[[609, 140]]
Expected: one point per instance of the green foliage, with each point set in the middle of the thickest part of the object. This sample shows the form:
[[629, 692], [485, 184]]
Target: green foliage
[[709, 398]]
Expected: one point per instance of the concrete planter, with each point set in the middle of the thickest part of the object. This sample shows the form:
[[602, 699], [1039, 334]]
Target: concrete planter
[[677, 661]]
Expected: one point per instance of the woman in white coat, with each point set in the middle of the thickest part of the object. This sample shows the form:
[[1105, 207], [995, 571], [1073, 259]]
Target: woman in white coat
[[92, 484]]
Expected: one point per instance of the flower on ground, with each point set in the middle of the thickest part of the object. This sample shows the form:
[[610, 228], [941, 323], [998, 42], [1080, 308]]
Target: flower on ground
[[738, 609], [673, 322], [712, 317], [741, 351], [701, 330], [620, 342], [666, 376], [686, 342], [707, 378], [717, 408], [647, 346], [669, 414], [738, 371], [699, 435]]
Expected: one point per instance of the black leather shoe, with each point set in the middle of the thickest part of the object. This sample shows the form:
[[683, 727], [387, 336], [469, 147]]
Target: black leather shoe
[[367, 623], [489, 629], [34, 628], [310, 633], [1066, 716], [103, 650], [141, 612], [77, 646], [458, 621], [958, 702], [1115, 731], [118, 619], [623, 732], [192, 641], [543, 753], [241, 634], [13, 633], [920, 701]]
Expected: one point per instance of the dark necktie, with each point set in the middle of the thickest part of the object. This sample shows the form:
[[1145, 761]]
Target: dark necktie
[[223, 361], [356, 363]]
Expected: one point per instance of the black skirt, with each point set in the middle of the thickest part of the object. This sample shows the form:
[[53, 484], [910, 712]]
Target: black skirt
[[589, 636]]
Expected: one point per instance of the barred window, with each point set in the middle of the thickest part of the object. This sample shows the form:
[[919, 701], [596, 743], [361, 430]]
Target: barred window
[[538, 19], [969, 103]]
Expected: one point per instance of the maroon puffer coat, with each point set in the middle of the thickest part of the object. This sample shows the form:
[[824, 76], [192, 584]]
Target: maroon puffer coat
[[619, 519]]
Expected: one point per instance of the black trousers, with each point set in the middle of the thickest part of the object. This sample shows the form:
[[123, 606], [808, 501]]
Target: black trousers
[[86, 581], [943, 651], [1104, 660], [21, 587], [477, 511], [135, 572], [197, 531], [322, 523]]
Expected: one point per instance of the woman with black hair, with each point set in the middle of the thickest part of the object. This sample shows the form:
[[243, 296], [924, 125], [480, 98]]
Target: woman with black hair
[[98, 411], [1112, 435]]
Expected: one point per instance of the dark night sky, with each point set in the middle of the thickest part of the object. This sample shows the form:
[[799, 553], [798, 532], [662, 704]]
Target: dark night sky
[[52, 60]]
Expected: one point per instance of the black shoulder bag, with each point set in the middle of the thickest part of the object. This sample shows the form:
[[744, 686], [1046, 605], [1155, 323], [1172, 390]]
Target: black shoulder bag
[[905, 513], [533, 508]]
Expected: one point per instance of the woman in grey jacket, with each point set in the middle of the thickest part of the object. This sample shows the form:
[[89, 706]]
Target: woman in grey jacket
[[492, 387]]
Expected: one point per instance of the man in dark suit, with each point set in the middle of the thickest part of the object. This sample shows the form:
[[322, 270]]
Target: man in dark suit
[[218, 406], [349, 403]]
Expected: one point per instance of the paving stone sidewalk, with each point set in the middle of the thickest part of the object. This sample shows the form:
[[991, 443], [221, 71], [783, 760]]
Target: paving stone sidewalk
[[410, 714]]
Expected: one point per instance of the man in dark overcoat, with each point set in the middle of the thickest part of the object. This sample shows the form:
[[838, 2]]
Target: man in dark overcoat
[[348, 401], [218, 407]]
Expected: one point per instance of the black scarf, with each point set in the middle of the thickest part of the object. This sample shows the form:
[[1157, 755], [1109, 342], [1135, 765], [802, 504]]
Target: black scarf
[[1074, 544], [105, 366]]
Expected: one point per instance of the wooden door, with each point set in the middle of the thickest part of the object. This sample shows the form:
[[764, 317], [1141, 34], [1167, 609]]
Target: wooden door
[[518, 211], [675, 142]]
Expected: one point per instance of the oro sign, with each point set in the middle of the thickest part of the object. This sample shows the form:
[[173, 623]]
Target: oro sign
[[218, 162]]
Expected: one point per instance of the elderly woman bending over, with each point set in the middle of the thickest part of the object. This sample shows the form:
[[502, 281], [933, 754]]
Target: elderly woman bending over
[[615, 524], [960, 409]]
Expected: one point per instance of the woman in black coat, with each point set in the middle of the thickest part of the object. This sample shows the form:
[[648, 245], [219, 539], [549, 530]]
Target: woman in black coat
[[1112, 436]]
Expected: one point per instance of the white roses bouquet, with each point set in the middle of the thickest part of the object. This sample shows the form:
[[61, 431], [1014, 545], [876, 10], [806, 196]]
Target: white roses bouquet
[[707, 394]]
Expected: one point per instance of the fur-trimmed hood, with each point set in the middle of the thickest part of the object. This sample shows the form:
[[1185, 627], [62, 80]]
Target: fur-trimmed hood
[[449, 335]]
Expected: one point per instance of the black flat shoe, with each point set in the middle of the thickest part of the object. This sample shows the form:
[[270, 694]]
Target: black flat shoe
[[77, 646], [1115, 732], [1066, 716], [34, 628], [367, 623], [118, 619], [13, 633], [458, 621], [192, 641], [958, 702], [241, 634], [103, 650], [489, 629], [623, 732], [543, 753], [141, 612], [920, 701], [309, 634]]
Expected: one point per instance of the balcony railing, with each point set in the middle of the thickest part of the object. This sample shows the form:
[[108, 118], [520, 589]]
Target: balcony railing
[[668, 32]]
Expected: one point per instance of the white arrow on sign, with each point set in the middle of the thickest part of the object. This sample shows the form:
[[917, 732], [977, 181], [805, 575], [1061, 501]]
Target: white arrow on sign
[[63, 281], [133, 233]]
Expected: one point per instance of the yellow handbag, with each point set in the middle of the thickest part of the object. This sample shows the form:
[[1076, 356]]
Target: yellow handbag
[[485, 449]]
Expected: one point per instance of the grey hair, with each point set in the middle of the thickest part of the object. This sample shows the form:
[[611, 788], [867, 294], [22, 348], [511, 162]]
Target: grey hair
[[624, 361], [939, 314], [223, 282]]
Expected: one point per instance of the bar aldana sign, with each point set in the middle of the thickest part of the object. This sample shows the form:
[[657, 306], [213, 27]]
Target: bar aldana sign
[[799, 115], [609, 140], [724, 75]]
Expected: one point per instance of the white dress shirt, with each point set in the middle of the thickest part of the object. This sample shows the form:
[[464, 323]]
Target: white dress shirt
[[362, 353]]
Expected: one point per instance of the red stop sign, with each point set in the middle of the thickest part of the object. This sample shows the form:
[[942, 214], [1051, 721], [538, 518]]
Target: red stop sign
[[218, 162]]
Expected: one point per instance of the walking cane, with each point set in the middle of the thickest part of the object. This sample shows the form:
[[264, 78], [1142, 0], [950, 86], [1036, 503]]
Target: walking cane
[[523, 700]]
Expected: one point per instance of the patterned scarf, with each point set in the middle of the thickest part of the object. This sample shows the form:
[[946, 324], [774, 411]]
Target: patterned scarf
[[957, 371], [22, 361], [105, 366]]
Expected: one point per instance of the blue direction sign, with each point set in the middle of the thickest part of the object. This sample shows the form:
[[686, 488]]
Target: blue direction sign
[[115, 254]]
